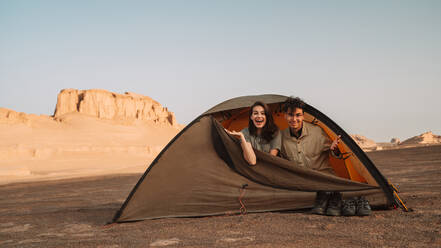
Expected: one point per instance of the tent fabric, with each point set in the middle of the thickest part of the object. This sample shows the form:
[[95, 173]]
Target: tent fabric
[[278, 172], [189, 178], [244, 101]]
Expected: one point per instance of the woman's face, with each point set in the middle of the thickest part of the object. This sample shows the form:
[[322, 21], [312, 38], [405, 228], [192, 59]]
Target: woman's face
[[258, 116]]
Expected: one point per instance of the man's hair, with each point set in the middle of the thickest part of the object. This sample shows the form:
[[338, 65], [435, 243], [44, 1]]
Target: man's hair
[[292, 103]]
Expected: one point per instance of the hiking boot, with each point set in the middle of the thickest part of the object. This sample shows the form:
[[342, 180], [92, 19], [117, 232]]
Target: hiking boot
[[334, 205], [349, 207], [363, 208], [321, 202]]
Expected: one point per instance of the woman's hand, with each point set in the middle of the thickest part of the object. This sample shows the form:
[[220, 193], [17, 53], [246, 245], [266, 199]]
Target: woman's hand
[[238, 135], [248, 152]]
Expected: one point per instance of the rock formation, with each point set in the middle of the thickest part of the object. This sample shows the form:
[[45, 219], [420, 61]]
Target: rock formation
[[425, 138], [12, 117], [363, 142], [395, 141], [107, 105]]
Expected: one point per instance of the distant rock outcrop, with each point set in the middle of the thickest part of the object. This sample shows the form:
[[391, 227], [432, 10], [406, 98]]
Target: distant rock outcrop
[[425, 138], [13, 117], [7, 115], [107, 105], [395, 141], [363, 142]]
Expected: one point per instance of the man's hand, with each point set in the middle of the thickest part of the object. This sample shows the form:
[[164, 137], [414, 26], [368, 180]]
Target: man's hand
[[335, 143]]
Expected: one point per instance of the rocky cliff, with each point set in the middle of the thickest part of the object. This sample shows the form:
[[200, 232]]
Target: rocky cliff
[[425, 138], [9, 116], [107, 105], [363, 142]]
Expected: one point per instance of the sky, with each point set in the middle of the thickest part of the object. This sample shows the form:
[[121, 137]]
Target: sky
[[374, 67]]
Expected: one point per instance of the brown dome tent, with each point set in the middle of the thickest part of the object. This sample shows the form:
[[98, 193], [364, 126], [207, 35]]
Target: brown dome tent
[[201, 172]]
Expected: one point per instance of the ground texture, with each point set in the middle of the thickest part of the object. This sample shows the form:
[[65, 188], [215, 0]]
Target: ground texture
[[73, 213]]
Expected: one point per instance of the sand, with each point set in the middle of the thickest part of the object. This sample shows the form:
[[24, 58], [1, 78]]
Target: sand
[[73, 213], [77, 145]]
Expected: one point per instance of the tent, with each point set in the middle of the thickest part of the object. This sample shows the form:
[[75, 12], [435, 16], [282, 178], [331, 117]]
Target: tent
[[201, 172]]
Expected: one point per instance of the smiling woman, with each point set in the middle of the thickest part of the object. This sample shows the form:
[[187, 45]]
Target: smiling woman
[[261, 134]]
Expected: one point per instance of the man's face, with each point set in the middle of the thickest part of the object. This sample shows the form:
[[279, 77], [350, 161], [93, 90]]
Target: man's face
[[295, 119]]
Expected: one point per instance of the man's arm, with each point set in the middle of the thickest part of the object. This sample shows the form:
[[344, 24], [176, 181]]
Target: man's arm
[[331, 146], [335, 152], [276, 144]]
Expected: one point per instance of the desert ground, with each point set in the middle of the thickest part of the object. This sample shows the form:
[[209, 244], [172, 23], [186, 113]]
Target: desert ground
[[74, 213]]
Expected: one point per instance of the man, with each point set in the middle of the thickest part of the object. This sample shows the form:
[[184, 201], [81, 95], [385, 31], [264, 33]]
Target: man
[[309, 146]]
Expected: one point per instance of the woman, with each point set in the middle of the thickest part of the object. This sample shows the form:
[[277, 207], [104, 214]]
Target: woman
[[262, 134]]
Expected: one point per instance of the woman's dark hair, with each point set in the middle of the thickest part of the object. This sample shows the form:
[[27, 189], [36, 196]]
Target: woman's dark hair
[[292, 103], [270, 129]]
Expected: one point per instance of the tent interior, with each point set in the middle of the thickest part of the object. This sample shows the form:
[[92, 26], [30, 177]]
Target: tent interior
[[348, 166]]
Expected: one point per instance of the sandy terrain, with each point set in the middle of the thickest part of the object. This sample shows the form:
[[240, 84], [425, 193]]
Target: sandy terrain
[[76, 145], [73, 213]]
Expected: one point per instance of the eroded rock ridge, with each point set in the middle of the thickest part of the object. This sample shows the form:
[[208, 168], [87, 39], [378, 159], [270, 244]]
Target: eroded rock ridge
[[425, 138], [107, 105], [363, 142]]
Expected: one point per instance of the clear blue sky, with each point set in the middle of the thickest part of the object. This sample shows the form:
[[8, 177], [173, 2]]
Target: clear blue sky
[[374, 67]]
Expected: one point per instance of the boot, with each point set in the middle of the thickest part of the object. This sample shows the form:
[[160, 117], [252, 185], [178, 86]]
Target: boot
[[349, 207], [363, 208], [321, 202], [334, 206]]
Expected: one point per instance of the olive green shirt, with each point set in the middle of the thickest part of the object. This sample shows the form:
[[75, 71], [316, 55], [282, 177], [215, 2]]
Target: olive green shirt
[[311, 149], [260, 143]]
